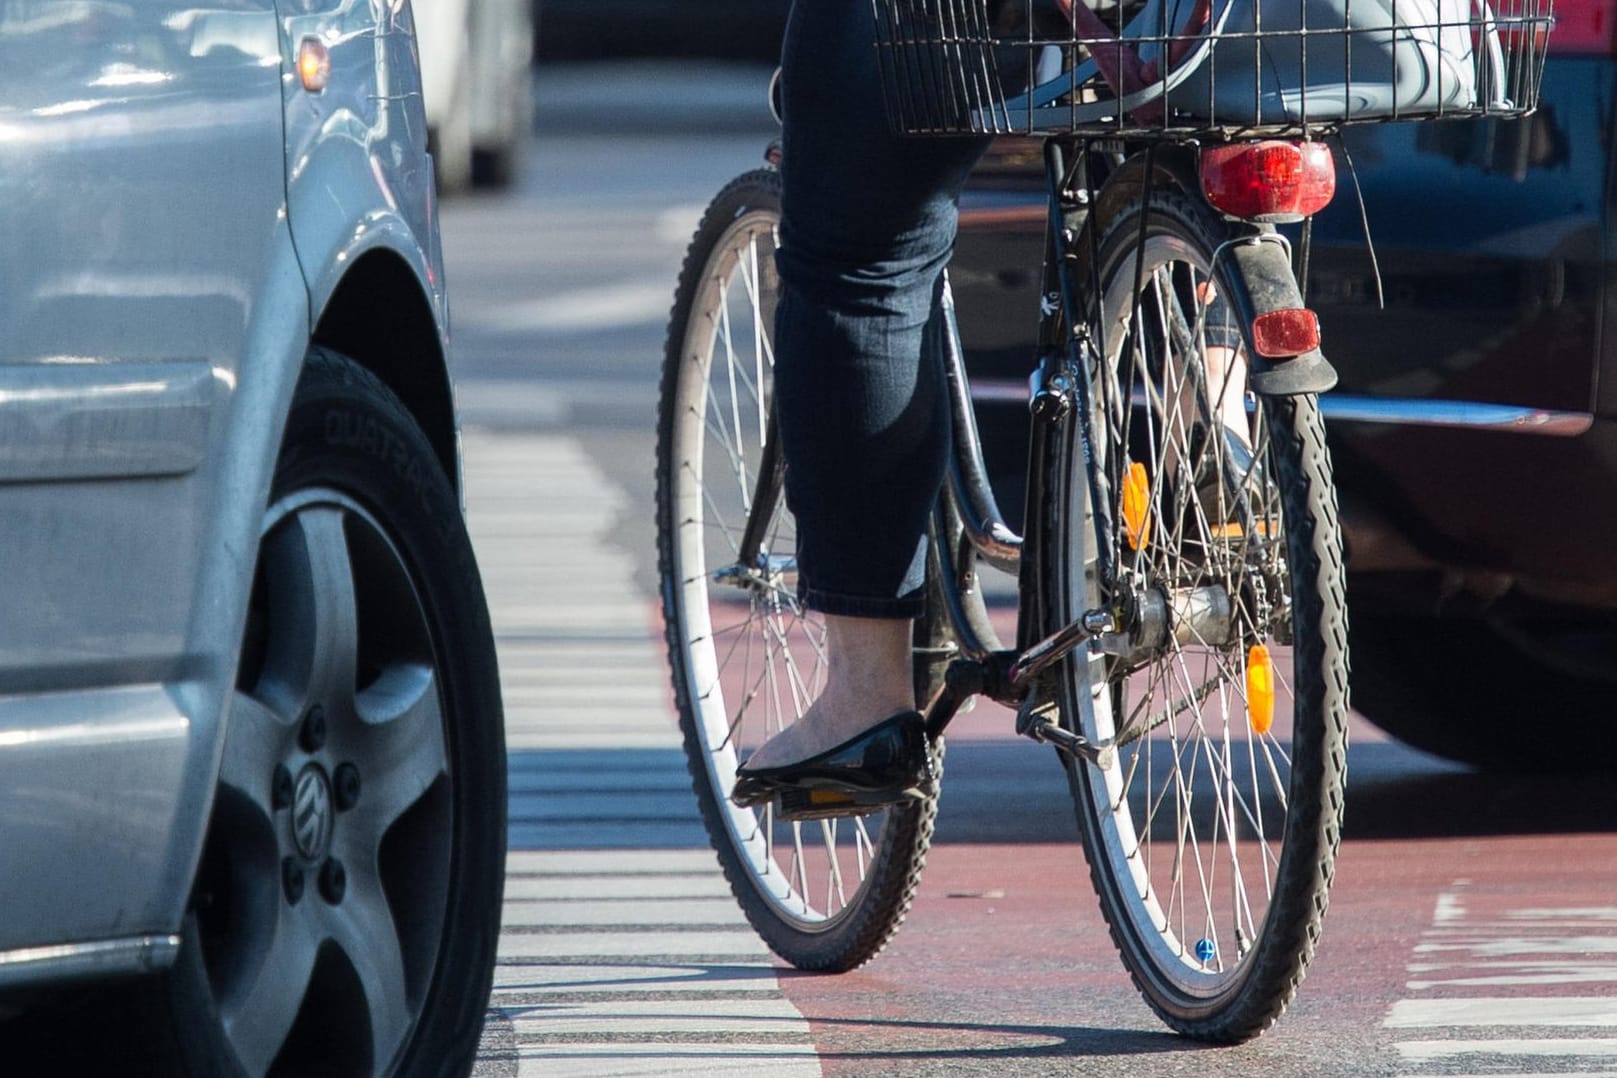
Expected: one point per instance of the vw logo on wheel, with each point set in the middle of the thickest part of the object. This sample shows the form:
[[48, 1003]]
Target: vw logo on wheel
[[312, 812]]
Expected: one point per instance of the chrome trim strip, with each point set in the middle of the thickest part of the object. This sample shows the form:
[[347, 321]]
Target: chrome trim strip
[[1399, 411], [100, 958], [84, 420], [1471, 415]]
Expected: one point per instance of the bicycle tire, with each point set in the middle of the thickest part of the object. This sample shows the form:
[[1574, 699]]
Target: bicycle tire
[[824, 895], [1216, 914]]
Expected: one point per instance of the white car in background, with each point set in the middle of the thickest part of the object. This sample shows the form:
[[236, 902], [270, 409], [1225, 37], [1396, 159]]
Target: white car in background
[[475, 61]]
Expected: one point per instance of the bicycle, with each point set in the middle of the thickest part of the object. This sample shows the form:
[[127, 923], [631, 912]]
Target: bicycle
[[1181, 612]]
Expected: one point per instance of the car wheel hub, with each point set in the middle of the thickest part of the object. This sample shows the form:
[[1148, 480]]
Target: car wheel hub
[[313, 813]]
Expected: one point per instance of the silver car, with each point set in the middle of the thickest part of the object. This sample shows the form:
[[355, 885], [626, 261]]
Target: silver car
[[252, 776]]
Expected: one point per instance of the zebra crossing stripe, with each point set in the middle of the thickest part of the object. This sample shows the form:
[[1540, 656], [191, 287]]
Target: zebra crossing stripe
[[1473, 949], [622, 951], [1503, 1011], [1435, 1051]]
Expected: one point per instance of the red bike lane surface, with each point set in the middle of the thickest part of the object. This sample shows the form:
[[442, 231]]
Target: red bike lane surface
[[1004, 965]]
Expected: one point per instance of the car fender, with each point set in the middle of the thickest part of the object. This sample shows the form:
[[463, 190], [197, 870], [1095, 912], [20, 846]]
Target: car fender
[[357, 178]]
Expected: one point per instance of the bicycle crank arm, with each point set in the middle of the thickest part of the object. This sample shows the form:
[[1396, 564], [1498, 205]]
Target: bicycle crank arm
[[1079, 748], [1052, 649], [963, 679], [1148, 621]]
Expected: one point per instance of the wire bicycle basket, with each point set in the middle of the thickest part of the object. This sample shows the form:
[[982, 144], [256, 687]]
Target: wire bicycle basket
[[1204, 68]]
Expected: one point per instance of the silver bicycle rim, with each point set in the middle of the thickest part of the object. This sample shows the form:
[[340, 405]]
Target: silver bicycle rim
[[754, 658], [1191, 812]]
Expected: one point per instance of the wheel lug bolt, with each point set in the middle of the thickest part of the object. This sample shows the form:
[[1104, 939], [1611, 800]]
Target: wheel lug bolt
[[292, 880], [333, 881], [281, 787], [346, 781], [313, 735]]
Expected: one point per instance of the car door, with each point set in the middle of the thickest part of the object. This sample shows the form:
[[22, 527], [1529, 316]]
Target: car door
[[141, 214], [140, 184]]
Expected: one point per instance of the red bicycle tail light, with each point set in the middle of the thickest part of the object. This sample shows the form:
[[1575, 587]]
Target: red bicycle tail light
[[1272, 182], [1285, 333]]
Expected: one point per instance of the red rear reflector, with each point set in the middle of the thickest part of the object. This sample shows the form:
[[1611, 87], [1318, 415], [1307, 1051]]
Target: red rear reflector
[[1285, 333], [1269, 181]]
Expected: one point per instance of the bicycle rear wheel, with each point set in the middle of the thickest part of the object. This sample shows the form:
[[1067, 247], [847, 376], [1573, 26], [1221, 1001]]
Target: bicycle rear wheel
[[1210, 530], [747, 659]]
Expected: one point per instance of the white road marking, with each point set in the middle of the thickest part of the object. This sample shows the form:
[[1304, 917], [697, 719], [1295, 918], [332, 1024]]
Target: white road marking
[[1499, 947], [1503, 1011], [605, 307], [677, 224], [1432, 1051], [1531, 1074], [631, 961], [1449, 908], [1528, 973], [1472, 950], [658, 1061]]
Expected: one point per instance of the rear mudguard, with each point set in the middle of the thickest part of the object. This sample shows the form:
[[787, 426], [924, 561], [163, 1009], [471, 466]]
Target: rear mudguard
[[1262, 279]]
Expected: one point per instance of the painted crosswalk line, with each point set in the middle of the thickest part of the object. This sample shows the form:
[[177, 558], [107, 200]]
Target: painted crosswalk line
[[621, 949], [1504, 989]]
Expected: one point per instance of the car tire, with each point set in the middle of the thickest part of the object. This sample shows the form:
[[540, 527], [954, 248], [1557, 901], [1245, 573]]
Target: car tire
[[357, 491], [496, 167], [1476, 692]]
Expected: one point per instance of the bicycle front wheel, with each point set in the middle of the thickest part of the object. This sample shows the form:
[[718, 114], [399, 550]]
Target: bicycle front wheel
[[747, 659], [1210, 532]]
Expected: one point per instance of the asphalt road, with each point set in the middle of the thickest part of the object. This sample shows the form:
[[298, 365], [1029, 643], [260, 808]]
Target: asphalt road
[[1473, 928]]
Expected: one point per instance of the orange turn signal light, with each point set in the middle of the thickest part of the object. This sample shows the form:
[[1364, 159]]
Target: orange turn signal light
[[314, 64]]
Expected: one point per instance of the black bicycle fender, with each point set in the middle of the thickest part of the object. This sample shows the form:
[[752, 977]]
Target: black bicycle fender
[[1264, 282]]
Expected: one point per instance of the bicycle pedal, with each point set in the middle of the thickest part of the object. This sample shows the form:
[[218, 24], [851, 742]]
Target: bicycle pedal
[[828, 803], [819, 804]]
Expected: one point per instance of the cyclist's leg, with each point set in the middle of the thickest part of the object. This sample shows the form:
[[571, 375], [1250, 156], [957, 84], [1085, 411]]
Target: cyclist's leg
[[868, 223]]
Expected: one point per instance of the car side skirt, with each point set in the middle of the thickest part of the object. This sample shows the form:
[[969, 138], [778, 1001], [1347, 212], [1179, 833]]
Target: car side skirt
[[94, 960]]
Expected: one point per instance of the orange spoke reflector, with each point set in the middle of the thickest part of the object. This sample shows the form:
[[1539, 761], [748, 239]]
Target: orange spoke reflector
[[1260, 689], [1137, 506]]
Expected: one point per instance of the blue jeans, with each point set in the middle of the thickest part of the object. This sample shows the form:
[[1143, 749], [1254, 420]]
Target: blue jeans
[[868, 223]]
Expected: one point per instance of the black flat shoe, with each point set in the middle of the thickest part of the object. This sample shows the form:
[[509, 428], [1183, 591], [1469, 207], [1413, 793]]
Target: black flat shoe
[[889, 764]]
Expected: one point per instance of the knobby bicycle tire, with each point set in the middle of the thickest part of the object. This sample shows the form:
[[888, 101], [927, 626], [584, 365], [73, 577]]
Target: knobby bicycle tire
[[1210, 833], [745, 657]]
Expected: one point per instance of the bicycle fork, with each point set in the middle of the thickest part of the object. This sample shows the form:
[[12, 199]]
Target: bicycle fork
[[1018, 677]]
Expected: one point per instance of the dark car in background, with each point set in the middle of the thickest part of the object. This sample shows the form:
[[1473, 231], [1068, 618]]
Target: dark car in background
[[713, 29], [1474, 429]]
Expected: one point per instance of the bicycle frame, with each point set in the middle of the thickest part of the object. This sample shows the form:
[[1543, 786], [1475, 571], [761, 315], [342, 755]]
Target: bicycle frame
[[968, 509], [968, 524]]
